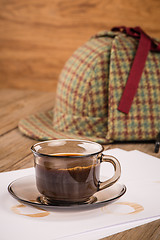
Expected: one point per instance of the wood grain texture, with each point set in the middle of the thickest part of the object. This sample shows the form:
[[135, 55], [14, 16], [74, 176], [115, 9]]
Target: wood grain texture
[[149, 231], [37, 37], [15, 151], [20, 105]]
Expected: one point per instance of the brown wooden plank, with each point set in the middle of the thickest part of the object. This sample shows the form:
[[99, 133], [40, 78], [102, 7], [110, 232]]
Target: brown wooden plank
[[26, 162], [7, 96], [20, 107], [149, 231], [15, 148], [37, 37]]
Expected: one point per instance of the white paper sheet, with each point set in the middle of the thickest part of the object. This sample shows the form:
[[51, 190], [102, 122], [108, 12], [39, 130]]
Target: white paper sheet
[[139, 205]]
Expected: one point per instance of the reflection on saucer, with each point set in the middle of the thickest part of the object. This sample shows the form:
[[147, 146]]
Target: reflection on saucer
[[24, 189], [45, 201]]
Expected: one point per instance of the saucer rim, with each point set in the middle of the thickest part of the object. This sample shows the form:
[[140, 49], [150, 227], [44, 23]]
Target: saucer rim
[[73, 206]]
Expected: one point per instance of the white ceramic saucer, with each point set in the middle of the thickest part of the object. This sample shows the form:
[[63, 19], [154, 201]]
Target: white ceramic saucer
[[24, 189]]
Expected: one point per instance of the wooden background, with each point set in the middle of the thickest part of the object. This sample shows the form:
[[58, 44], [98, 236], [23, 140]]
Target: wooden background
[[38, 36]]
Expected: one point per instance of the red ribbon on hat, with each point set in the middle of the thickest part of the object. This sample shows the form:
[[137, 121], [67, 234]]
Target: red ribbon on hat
[[146, 44]]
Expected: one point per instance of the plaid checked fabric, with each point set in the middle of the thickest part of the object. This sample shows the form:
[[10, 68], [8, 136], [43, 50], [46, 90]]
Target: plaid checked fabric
[[89, 90], [82, 96]]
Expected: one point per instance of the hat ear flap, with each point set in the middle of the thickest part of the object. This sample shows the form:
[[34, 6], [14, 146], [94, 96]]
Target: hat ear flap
[[81, 107]]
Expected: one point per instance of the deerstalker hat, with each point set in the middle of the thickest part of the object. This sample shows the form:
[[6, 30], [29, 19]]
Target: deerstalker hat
[[80, 109], [89, 90]]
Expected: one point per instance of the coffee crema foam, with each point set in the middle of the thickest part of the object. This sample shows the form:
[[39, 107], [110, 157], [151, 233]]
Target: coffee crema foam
[[78, 168], [67, 154]]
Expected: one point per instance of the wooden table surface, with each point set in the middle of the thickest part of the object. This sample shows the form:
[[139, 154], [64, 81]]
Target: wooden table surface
[[15, 150]]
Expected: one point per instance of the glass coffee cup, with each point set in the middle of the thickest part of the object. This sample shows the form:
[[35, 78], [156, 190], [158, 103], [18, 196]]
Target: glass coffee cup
[[68, 170]]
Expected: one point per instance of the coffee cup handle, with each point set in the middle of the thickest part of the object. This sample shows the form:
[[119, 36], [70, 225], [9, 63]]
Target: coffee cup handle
[[117, 173]]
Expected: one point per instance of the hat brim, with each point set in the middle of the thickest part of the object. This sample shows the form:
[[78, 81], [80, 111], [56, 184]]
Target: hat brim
[[39, 126]]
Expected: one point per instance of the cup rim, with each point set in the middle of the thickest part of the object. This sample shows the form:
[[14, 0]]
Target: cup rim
[[63, 156]]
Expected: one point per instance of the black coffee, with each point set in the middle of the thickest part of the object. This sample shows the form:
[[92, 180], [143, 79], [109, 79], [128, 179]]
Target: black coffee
[[72, 184]]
